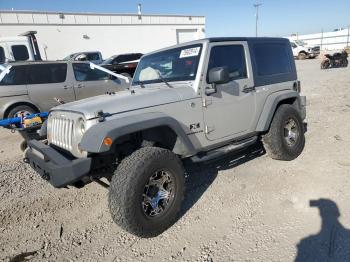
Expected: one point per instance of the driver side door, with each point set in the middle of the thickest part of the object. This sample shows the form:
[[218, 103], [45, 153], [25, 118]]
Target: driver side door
[[229, 111]]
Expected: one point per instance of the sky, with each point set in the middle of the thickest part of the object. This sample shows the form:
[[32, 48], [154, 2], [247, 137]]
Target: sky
[[223, 17]]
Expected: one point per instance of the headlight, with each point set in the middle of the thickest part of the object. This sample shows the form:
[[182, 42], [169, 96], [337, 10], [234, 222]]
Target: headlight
[[80, 126]]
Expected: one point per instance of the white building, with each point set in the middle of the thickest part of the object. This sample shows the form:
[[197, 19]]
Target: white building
[[335, 40], [60, 34]]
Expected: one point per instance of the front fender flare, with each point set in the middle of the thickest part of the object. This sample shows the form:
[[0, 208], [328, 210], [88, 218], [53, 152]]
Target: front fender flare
[[92, 140]]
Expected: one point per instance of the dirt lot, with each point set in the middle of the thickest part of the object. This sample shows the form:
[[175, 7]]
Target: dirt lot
[[246, 207]]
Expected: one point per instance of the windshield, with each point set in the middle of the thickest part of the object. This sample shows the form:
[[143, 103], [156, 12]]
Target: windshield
[[67, 58], [4, 70], [300, 42], [109, 60], [178, 64]]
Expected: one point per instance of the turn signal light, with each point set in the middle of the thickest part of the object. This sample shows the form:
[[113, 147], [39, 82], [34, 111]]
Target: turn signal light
[[108, 141]]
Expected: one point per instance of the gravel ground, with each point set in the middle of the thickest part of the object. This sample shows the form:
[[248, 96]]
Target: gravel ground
[[245, 207]]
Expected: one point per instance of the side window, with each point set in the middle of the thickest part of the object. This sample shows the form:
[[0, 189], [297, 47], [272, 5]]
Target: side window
[[93, 56], [2, 55], [20, 52], [293, 45], [16, 76], [230, 56], [120, 59], [47, 73], [272, 59], [83, 72]]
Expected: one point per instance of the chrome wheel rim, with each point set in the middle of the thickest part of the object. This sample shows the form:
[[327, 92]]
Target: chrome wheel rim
[[158, 194], [20, 113], [291, 132]]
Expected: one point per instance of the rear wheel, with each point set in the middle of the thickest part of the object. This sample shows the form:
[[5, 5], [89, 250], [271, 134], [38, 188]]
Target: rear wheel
[[17, 111], [345, 63], [285, 139], [146, 191]]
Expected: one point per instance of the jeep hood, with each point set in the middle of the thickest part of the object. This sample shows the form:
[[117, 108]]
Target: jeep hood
[[128, 100]]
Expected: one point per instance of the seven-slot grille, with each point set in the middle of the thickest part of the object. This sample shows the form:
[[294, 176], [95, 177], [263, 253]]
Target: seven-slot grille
[[62, 132]]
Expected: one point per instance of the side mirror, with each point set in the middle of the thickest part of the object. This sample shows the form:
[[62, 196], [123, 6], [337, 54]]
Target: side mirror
[[217, 75]]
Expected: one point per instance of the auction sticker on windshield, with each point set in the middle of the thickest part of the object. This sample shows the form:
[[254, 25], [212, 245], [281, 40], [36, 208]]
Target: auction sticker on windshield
[[190, 52]]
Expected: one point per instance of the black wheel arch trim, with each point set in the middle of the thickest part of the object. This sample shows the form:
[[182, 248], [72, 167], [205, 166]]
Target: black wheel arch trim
[[92, 140], [270, 107]]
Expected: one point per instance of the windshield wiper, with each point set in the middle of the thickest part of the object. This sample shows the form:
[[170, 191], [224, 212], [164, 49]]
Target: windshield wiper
[[162, 78], [142, 85]]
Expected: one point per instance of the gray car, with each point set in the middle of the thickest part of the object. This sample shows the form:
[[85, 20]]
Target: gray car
[[32, 87]]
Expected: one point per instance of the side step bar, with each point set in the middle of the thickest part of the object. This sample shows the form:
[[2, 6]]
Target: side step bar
[[224, 150]]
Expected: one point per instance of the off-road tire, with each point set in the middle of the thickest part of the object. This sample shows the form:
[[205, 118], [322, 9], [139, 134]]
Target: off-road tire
[[23, 145], [127, 187], [20, 108], [274, 141], [302, 56]]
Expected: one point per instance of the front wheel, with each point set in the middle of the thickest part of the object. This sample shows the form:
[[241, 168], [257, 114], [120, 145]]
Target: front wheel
[[146, 191], [302, 56], [325, 64], [285, 139]]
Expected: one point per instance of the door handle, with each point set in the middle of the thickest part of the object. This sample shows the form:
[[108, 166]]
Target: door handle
[[80, 86], [247, 89], [67, 87]]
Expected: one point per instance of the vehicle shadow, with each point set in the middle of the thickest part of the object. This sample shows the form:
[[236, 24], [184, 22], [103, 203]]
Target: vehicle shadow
[[201, 175], [332, 243]]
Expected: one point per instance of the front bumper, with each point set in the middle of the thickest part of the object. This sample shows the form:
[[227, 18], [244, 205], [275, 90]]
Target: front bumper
[[52, 166]]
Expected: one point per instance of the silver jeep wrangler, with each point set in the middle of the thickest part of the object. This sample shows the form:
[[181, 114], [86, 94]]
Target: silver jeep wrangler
[[197, 100]]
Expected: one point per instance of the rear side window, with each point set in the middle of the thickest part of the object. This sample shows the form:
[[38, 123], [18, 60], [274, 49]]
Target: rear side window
[[230, 56], [17, 76], [83, 72], [20, 52], [2, 55], [272, 59], [47, 73]]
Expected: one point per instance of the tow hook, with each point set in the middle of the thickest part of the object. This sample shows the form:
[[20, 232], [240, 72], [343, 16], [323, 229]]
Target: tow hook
[[25, 159]]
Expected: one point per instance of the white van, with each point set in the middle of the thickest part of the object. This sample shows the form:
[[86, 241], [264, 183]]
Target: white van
[[19, 48]]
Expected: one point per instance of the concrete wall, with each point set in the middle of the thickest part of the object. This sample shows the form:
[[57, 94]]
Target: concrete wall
[[327, 40], [109, 33]]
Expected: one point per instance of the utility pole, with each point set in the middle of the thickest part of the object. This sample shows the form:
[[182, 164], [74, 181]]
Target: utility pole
[[257, 5]]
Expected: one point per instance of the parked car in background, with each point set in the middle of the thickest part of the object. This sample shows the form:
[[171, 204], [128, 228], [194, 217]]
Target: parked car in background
[[303, 51], [19, 48], [93, 56], [124, 64], [32, 87]]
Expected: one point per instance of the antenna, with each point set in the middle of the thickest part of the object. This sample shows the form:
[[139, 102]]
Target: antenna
[[257, 5]]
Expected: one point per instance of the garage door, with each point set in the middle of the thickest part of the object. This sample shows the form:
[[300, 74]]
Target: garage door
[[186, 35]]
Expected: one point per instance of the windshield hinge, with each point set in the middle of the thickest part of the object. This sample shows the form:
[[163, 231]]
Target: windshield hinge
[[206, 102]]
